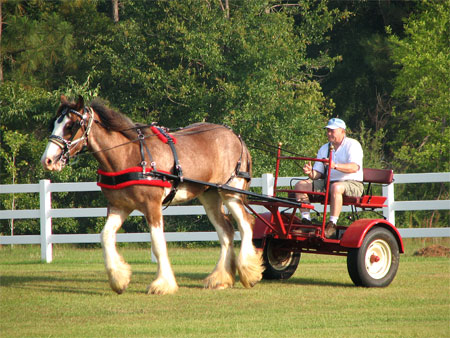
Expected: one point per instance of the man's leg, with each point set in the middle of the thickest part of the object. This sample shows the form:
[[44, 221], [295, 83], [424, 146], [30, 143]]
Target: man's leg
[[336, 200], [304, 185]]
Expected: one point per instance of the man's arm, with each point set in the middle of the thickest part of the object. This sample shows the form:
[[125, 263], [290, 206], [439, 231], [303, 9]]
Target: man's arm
[[347, 168]]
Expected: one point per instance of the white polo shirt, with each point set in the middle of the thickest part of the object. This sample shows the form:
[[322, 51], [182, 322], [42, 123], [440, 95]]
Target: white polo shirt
[[350, 151]]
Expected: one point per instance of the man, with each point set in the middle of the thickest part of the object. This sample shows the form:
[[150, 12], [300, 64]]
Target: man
[[346, 174]]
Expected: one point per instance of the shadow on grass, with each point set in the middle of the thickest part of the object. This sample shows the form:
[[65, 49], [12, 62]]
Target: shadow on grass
[[199, 277], [309, 281], [53, 284], [85, 285]]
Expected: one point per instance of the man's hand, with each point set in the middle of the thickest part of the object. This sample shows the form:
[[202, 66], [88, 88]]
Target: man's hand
[[332, 165], [307, 169]]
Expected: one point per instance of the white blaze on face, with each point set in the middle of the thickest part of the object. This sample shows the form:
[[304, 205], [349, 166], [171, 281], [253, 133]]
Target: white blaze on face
[[50, 157]]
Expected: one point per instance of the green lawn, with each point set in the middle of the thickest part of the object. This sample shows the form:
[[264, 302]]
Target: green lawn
[[71, 298]]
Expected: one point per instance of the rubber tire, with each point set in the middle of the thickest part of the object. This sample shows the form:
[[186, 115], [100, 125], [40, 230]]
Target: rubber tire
[[379, 241], [278, 263]]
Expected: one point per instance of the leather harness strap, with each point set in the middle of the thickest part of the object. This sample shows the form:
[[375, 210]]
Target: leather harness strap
[[128, 177], [145, 175], [168, 139], [142, 146]]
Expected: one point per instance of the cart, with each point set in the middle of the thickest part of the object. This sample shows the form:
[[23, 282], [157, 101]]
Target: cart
[[372, 246]]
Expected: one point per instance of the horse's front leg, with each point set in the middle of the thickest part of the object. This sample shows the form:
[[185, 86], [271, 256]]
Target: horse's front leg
[[119, 272], [165, 282]]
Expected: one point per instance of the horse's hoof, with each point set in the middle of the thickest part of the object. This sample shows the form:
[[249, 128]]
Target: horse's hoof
[[119, 291], [158, 288], [214, 284], [119, 279], [218, 286]]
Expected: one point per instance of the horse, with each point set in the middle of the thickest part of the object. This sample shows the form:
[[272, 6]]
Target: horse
[[142, 168]]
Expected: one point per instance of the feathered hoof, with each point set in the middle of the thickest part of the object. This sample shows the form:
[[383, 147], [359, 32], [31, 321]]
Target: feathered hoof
[[119, 279], [219, 281], [250, 272], [162, 287]]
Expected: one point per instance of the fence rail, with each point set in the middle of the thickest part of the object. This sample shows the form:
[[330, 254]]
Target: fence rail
[[46, 213]]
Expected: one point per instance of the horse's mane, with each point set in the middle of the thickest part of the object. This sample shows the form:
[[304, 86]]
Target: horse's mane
[[113, 120]]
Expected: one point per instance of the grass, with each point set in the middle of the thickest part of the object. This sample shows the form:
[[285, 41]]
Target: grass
[[71, 298]]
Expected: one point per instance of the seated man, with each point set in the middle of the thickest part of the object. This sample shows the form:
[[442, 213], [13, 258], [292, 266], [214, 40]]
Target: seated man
[[346, 174]]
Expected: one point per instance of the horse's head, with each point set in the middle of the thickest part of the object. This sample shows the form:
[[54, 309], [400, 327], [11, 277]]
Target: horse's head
[[70, 133]]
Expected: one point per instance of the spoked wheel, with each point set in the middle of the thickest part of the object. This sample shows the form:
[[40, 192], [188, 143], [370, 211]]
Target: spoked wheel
[[376, 262], [279, 263]]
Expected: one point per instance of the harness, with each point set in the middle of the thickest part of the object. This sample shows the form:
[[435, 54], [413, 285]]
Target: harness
[[67, 145], [149, 175], [131, 176], [143, 175], [146, 173]]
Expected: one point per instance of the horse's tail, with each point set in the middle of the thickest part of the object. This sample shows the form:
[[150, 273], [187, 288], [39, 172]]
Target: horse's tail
[[246, 164], [249, 161]]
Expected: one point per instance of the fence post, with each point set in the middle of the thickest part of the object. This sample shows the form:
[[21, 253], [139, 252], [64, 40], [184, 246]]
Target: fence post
[[389, 212], [46, 221], [267, 184]]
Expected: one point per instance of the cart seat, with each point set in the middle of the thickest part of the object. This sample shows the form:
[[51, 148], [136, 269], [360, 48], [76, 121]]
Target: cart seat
[[367, 200]]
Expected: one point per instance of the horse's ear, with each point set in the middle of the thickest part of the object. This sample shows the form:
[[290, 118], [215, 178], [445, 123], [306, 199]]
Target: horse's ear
[[80, 103], [63, 99]]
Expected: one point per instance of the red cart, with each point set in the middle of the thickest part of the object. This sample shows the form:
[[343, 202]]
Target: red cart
[[372, 246]]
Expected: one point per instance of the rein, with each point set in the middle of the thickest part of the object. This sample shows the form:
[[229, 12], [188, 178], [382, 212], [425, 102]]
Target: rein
[[145, 126], [142, 175]]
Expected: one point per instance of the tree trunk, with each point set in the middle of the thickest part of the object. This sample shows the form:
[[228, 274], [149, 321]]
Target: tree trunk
[[115, 10], [226, 8], [1, 55]]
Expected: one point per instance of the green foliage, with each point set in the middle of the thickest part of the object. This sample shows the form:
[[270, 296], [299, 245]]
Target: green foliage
[[422, 115], [372, 144], [43, 42], [25, 116], [361, 84], [248, 69], [273, 71]]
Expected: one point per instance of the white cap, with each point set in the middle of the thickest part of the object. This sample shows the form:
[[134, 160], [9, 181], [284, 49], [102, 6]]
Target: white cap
[[335, 123]]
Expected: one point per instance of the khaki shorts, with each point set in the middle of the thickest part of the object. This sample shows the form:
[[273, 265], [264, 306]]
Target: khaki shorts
[[352, 188]]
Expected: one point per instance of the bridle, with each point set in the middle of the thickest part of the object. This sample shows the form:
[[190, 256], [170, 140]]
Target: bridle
[[86, 119]]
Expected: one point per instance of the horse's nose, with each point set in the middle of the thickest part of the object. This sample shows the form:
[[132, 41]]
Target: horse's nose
[[47, 162]]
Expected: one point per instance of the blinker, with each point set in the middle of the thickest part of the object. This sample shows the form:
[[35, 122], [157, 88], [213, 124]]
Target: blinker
[[61, 117]]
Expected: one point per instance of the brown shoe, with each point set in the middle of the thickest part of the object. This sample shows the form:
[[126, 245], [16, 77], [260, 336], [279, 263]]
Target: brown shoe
[[330, 230]]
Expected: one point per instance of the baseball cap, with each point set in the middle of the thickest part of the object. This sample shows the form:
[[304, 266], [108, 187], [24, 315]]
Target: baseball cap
[[335, 123]]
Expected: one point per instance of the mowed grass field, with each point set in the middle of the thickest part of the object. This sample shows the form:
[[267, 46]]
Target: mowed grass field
[[71, 298]]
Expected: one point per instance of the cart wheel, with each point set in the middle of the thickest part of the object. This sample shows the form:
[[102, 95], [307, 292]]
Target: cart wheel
[[279, 263], [375, 263]]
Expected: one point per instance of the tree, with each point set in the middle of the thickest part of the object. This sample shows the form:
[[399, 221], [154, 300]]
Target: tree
[[422, 116], [245, 64], [43, 42], [361, 83]]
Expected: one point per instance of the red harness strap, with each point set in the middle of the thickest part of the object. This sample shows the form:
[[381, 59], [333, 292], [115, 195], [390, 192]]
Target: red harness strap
[[161, 136], [128, 177], [139, 175]]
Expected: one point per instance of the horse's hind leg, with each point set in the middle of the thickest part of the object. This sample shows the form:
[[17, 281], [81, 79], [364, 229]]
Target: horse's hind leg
[[223, 275], [119, 272], [249, 263]]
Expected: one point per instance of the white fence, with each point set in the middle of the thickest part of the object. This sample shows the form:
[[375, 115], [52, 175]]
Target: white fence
[[45, 213]]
